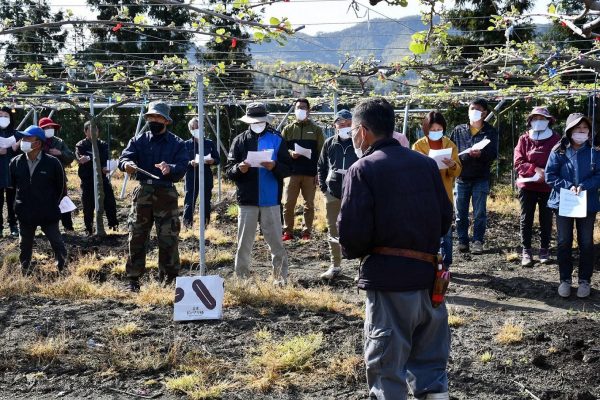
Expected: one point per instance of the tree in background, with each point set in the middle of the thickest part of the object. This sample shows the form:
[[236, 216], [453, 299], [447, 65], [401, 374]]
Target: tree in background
[[472, 19], [40, 46]]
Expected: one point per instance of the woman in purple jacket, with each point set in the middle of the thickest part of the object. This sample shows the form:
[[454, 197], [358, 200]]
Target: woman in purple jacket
[[531, 155]]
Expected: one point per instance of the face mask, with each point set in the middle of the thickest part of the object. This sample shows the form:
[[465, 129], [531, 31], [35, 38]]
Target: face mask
[[344, 133], [4, 122], [579, 137], [49, 133], [25, 146], [156, 127], [258, 127], [539, 125], [196, 133], [300, 114], [435, 135], [358, 150], [474, 115]]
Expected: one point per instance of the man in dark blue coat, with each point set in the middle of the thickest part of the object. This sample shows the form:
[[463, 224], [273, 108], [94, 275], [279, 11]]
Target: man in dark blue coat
[[39, 180], [394, 211], [161, 153], [211, 157]]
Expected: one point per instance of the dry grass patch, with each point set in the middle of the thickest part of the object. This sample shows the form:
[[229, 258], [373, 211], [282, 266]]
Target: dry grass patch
[[154, 294], [196, 386], [504, 201], [346, 366], [217, 236], [12, 283], [129, 355], [44, 350], [455, 320], [512, 257], [218, 257], [75, 287], [275, 359], [510, 333], [262, 293], [125, 330]]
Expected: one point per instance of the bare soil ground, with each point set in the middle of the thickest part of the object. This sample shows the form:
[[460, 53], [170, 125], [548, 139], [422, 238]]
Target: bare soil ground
[[106, 345]]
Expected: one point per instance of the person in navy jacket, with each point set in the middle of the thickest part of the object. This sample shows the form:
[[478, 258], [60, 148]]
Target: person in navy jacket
[[211, 157], [259, 190], [574, 165]]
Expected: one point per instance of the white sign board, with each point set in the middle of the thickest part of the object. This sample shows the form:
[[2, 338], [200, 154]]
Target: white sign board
[[198, 297]]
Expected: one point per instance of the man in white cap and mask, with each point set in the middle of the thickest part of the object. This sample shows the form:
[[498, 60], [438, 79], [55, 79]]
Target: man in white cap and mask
[[259, 190]]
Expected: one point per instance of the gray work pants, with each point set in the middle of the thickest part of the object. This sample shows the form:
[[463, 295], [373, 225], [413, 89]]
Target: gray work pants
[[407, 342], [270, 223]]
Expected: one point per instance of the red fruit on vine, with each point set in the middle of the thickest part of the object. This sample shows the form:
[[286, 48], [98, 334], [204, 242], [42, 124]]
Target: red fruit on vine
[[233, 43], [117, 27]]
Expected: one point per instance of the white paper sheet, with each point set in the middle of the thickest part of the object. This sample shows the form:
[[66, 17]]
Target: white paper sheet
[[111, 165], [5, 143], [572, 205], [254, 158], [439, 155], [66, 205], [207, 157], [476, 146], [302, 151], [533, 178]]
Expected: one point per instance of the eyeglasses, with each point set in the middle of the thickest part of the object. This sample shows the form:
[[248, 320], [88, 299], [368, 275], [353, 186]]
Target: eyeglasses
[[354, 129]]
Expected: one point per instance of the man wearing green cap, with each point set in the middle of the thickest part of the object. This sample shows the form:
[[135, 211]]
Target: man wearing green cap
[[158, 159], [39, 180]]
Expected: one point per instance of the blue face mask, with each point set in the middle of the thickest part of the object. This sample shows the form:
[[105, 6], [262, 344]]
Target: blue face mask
[[435, 135]]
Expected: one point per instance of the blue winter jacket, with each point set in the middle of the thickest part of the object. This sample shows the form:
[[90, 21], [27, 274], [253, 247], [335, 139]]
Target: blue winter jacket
[[147, 150], [560, 173]]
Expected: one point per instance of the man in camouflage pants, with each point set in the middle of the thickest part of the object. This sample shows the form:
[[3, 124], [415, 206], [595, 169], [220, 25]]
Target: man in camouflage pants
[[158, 152]]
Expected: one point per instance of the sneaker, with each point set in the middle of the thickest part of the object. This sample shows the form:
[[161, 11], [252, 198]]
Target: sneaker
[[287, 236], [527, 260], [564, 289], [306, 236], [133, 286], [331, 273], [279, 282], [477, 248], [583, 290], [544, 255], [114, 227], [14, 231], [463, 247]]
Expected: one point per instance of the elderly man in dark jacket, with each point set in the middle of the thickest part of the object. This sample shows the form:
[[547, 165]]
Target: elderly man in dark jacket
[[336, 157], [394, 211], [158, 158], [39, 181]]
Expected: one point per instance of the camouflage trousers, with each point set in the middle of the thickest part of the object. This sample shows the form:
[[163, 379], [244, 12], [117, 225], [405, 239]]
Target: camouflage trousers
[[153, 205]]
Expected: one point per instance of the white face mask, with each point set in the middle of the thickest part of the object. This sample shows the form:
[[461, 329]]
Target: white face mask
[[25, 146], [475, 115], [539, 125], [579, 137], [435, 135], [358, 150], [195, 133], [344, 133], [258, 127], [300, 114], [4, 122], [49, 133]]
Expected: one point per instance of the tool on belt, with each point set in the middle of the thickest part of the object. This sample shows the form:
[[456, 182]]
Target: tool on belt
[[442, 275]]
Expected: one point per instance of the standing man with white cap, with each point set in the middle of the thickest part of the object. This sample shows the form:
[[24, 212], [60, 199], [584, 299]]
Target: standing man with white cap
[[259, 190], [336, 157], [158, 158]]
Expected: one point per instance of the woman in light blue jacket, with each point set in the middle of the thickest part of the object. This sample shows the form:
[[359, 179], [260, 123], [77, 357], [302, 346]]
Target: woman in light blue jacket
[[574, 165]]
